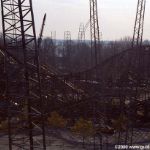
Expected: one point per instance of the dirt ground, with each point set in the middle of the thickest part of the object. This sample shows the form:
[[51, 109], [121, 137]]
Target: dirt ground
[[64, 140]]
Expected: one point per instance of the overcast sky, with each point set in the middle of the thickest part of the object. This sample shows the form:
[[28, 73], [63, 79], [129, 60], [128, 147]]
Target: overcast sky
[[116, 17]]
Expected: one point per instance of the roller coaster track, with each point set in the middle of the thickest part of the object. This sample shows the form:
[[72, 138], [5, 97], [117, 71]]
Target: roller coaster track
[[124, 77], [138, 99], [106, 68], [50, 72], [121, 58]]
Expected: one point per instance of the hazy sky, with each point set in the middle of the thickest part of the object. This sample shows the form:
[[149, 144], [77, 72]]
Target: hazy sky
[[116, 17]]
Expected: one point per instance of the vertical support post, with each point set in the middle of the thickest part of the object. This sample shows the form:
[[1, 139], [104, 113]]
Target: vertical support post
[[23, 75], [95, 36], [67, 49], [139, 24]]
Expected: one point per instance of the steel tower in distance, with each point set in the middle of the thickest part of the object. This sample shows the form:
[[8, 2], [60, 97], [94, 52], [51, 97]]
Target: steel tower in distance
[[139, 24], [94, 31]]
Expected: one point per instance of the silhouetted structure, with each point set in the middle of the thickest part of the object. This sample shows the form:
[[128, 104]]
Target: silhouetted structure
[[94, 29], [23, 85], [113, 93]]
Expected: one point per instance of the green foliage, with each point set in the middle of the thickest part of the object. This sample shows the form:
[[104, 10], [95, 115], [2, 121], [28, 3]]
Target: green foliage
[[83, 127], [56, 120]]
